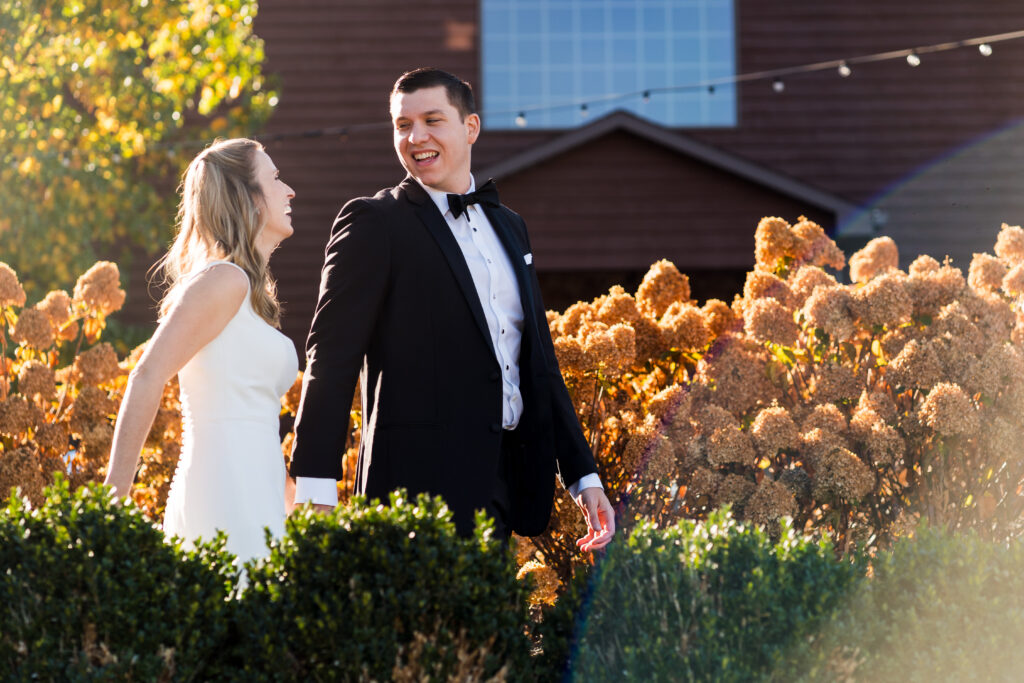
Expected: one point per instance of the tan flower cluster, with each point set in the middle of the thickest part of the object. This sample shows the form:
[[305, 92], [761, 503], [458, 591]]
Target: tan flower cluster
[[98, 365], [762, 285], [91, 406], [773, 430], [986, 273], [998, 366], [835, 382], [766, 320], [52, 437], [841, 476], [719, 317], [825, 416], [803, 281], [99, 288], [668, 403], [21, 467], [737, 369], [992, 313], [573, 318], [36, 379], [770, 502], [1013, 283], [797, 482], [831, 309], [917, 366], [290, 402], [610, 348], [11, 291], [880, 403], [878, 256], [1010, 244], [17, 415], [884, 300], [932, 286], [701, 488], [649, 453], [96, 441], [818, 443], [618, 307], [949, 411], [774, 241], [734, 490], [33, 329], [683, 328], [662, 286], [730, 445], [815, 247], [882, 444]]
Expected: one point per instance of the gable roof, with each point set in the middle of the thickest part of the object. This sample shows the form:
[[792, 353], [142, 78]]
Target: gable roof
[[682, 144]]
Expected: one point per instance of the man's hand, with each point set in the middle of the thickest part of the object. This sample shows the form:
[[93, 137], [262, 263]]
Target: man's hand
[[323, 508], [600, 519]]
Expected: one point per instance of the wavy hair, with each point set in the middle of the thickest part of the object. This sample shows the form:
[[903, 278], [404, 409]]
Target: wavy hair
[[219, 219]]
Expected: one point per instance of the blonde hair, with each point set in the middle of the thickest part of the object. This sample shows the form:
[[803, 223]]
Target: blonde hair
[[219, 219]]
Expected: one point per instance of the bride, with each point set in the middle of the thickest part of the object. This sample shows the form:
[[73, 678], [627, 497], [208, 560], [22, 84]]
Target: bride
[[218, 332]]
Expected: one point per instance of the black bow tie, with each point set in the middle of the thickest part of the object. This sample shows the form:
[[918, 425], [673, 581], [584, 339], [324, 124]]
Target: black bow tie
[[488, 194]]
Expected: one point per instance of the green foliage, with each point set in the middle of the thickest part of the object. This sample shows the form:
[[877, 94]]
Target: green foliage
[[89, 589], [712, 600], [94, 98], [344, 597], [940, 607]]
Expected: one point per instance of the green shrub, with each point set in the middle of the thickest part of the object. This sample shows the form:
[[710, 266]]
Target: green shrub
[[89, 589], [713, 600], [382, 592], [939, 607]]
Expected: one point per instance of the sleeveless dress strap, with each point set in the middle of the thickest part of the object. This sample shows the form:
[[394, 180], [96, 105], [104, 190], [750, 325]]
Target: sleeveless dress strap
[[211, 264]]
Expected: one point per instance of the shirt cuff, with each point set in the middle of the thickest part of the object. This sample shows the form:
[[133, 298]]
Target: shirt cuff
[[589, 481], [316, 490]]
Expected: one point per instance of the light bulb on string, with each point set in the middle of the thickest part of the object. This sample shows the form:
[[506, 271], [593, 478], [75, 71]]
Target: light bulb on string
[[778, 85], [985, 49], [584, 112], [913, 59], [711, 90], [647, 96], [521, 119], [845, 70]]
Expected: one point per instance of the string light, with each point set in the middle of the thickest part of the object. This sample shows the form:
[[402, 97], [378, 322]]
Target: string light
[[778, 85], [845, 70], [711, 90], [584, 112], [647, 96], [521, 119], [913, 59], [985, 49]]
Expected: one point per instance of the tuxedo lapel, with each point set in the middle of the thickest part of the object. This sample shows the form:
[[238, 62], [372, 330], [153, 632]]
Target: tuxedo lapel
[[427, 212], [516, 252]]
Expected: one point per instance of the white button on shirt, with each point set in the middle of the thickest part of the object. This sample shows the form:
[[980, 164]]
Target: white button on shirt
[[495, 281]]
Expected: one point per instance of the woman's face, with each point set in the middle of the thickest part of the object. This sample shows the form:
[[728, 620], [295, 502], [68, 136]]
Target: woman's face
[[277, 208]]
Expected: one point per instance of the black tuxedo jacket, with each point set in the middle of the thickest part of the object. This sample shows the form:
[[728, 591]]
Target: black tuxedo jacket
[[398, 309]]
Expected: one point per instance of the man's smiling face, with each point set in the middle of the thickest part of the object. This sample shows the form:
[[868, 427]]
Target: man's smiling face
[[432, 140]]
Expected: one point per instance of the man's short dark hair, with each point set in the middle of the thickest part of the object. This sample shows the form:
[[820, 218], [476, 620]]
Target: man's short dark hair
[[460, 93]]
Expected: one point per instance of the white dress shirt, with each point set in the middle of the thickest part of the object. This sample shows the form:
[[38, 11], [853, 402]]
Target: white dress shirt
[[498, 289]]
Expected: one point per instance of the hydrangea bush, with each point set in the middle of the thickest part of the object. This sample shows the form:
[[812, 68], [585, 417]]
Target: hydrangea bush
[[854, 408]]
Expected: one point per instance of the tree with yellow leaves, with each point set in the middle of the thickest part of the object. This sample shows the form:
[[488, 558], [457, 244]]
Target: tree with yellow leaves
[[96, 101]]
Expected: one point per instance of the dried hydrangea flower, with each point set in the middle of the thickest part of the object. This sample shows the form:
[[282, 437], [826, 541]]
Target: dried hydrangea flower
[[92, 405], [836, 382], [574, 318], [666, 403], [733, 490], [766, 320], [702, 486], [798, 482], [618, 307], [841, 476], [730, 445], [986, 273], [831, 309], [819, 442], [880, 402], [718, 317], [97, 365], [923, 265], [33, 329], [17, 416], [773, 242], [99, 288], [1013, 283], [649, 453], [825, 416], [878, 256], [999, 365], [11, 291], [1010, 244], [21, 467], [931, 290], [683, 328], [805, 279], [738, 370], [53, 437], [290, 401], [992, 313], [770, 502], [57, 307], [96, 441], [884, 300], [648, 338], [761, 285], [949, 411], [773, 430], [570, 355], [37, 379], [624, 338], [815, 247], [662, 286], [917, 366]]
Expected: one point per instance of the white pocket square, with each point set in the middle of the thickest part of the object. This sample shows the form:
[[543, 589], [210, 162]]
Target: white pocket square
[[528, 258]]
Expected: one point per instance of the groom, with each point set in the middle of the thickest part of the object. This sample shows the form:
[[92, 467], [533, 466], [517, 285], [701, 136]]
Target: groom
[[428, 294]]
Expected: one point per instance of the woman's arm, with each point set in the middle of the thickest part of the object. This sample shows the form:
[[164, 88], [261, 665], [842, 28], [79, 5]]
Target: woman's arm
[[204, 309]]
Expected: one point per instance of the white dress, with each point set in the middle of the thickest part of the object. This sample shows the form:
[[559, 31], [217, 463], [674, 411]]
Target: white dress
[[231, 473]]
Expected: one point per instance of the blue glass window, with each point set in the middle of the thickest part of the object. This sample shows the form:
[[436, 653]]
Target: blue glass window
[[546, 57]]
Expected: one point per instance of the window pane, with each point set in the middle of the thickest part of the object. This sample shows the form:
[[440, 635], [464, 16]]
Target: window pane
[[557, 54]]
